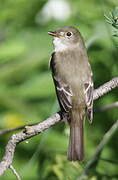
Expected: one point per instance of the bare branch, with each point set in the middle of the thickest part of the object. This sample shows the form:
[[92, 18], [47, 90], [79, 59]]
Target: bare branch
[[15, 172], [5, 131], [95, 158], [31, 131], [105, 88], [109, 161], [108, 107]]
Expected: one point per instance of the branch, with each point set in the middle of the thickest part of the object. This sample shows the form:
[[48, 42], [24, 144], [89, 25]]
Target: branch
[[31, 131], [105, 88], [95, 158], [5, 131], [108, 107], [15, 172], [115, 162]]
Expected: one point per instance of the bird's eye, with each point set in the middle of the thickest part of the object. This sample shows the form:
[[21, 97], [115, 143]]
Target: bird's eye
[[68, 34]]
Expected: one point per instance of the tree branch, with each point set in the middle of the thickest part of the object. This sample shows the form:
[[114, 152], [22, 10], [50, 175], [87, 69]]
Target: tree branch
[[105, 88], [15, 172], [95, 158], [31, 131], [108, 107], [5, 131]]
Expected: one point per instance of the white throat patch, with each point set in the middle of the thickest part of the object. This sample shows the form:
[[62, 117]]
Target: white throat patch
[[59, 45]]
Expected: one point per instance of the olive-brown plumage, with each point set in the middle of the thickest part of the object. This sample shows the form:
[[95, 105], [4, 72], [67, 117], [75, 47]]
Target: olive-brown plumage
[[73, 83]]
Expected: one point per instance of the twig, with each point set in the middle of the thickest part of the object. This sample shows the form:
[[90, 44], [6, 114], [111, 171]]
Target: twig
[[95, 158], [5, 131], [105, 88], [31, 131], [108, 107], [15, 172], [109, 161]]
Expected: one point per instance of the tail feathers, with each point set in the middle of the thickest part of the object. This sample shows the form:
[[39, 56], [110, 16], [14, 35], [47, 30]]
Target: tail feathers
[[76, 144]]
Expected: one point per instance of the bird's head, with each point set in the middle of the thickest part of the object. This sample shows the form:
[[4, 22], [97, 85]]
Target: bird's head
[[65, 37]]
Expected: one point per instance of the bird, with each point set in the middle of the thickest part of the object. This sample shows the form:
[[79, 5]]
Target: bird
[[72, 77]]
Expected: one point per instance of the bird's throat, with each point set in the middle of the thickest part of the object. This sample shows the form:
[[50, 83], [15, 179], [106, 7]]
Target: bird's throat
[[59, 46]]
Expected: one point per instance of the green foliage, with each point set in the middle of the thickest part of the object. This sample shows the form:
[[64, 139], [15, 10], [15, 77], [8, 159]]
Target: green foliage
[[27, 92], [113, 20]]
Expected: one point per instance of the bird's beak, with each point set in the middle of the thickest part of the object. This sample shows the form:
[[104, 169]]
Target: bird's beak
[[54, 34]]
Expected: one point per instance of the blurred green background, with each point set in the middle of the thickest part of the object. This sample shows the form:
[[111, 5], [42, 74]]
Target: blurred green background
[[27, 92]]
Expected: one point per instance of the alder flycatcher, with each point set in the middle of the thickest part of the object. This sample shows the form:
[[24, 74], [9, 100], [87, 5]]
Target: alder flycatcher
[[72, 77]]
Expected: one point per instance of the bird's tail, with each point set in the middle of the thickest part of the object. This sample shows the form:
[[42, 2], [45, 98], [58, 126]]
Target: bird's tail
[[76, 141]]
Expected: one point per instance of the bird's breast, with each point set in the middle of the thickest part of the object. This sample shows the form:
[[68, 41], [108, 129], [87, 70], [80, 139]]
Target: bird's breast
[[72, 66]]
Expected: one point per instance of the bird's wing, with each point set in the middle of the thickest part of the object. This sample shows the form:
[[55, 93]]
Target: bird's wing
[[63, 91], [89, 99]]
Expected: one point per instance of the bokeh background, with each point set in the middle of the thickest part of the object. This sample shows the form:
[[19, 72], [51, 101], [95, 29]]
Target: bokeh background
[[27, 92]]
